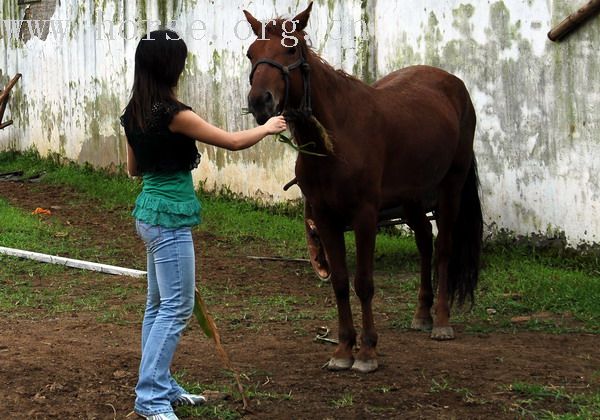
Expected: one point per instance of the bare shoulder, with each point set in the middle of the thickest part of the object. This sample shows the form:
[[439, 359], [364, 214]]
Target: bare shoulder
[[185, 114], [183, 120]]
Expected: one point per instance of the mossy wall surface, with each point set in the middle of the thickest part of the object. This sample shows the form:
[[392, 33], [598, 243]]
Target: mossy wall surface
[[537, 101]]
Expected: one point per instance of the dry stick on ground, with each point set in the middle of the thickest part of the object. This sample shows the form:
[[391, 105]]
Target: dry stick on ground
[[209, 327], [285, 259]]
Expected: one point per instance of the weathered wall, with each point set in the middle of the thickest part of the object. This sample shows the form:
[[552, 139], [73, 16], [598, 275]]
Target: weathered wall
[[537, 101]]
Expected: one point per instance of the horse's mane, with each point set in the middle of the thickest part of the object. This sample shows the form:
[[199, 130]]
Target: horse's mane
[[275, 28]]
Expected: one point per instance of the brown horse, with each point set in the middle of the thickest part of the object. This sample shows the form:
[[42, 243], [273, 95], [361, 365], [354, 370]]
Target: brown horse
[[407, 141]]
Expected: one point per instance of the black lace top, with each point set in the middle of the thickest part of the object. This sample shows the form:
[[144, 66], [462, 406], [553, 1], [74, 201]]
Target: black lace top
[[157, 149]]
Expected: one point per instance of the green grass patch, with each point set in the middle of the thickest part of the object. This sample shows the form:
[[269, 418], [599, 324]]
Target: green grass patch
[[113, 189], [245, 222], [520, 290], [345, 401], [19, 229], [36, 290]]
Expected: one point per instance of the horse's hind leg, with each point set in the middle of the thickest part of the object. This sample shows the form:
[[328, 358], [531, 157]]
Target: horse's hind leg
[[448, 208], [421, 226], [365, 229]]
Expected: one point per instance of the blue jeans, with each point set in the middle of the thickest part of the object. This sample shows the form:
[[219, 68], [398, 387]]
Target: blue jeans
[[169, 305]]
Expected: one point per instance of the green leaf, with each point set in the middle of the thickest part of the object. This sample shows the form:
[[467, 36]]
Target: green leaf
[[201, 315]]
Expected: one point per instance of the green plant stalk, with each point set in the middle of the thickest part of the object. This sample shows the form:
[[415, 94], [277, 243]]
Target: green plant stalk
[[300, 149], [209, 327]]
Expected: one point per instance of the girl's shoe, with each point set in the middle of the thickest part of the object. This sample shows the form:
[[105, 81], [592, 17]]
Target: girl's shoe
[[162, 416], [189, 400]]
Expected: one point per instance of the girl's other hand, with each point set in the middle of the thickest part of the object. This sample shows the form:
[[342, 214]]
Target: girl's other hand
[[276, 125]]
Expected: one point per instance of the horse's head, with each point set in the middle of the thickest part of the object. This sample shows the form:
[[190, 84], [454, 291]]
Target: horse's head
[[279, 69]]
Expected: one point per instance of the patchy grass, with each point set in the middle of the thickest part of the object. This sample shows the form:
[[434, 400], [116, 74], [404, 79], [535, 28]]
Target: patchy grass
[[36, 290], [113, 188], [443, 384], [218, 394], [345, 401], [26, 231], [554, 402]]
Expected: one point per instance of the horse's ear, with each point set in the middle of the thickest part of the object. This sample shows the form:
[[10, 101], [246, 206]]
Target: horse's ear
[[254, 23], [302, 17]]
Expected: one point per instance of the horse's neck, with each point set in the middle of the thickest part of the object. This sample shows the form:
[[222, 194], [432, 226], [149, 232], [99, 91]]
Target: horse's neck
[[333, 95]]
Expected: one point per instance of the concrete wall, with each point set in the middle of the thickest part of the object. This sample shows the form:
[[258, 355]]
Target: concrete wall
[[537, 101]]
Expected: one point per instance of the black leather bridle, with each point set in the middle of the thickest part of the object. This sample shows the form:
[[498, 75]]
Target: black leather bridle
[[302, 64]]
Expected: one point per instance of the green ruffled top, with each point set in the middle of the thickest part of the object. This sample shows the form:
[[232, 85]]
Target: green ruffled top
[[168, 199]]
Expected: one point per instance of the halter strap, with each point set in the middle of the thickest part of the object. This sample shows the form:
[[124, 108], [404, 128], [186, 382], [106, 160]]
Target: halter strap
[[301, 63]]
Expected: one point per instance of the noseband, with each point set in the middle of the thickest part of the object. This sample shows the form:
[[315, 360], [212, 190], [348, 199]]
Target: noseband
[[305, 105]]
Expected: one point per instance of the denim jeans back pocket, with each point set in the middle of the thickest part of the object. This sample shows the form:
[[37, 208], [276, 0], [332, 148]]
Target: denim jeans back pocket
[[150, 234]]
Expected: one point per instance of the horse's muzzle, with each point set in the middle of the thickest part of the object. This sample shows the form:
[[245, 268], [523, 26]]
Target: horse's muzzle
[[262, 106]]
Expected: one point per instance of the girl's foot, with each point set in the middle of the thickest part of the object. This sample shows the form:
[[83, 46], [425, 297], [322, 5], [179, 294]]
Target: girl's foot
[[189, 400], [162, 416]]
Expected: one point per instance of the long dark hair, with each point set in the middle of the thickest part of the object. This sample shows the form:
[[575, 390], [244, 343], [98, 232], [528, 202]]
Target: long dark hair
[[159, 61]]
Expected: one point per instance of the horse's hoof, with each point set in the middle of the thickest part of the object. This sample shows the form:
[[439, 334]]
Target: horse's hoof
[[442, 333], [365, 366], [336, 364], [422, 324]]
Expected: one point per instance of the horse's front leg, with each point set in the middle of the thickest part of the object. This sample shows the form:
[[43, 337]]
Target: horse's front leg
[[365, 229], [332, 236]]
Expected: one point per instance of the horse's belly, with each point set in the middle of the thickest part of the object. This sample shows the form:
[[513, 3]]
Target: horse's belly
[[394, 197], [415, 178], [419, 168]]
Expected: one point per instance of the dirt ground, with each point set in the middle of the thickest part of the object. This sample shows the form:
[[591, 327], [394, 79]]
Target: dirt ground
[[75, 366]]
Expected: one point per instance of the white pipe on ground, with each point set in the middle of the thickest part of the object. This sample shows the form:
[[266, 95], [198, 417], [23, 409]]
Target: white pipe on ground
[[71, 262]]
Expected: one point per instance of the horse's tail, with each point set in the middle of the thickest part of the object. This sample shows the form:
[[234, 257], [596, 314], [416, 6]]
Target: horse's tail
[[463, 269]]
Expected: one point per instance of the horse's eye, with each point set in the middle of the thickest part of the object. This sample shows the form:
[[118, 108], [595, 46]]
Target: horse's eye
[[291, 50]]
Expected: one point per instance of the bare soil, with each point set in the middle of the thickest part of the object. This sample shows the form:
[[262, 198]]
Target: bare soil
[[79, 366]]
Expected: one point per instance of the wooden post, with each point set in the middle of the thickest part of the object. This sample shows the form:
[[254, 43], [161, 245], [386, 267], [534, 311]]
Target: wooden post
[[4, 95], [9, 86], [574, 20], [6, 124]]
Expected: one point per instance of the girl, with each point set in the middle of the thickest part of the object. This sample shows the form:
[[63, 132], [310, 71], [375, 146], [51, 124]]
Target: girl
[[161, 134]]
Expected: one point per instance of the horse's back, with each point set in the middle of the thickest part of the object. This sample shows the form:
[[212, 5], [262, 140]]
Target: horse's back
[[423, 85], [427, 92], [419, 77], [428, 115]]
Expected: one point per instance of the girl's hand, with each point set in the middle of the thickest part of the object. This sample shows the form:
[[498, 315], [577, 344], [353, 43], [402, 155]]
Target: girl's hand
[[275, 125]]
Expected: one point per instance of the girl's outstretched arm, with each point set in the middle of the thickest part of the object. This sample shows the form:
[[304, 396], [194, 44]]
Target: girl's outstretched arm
[[192, 125]]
